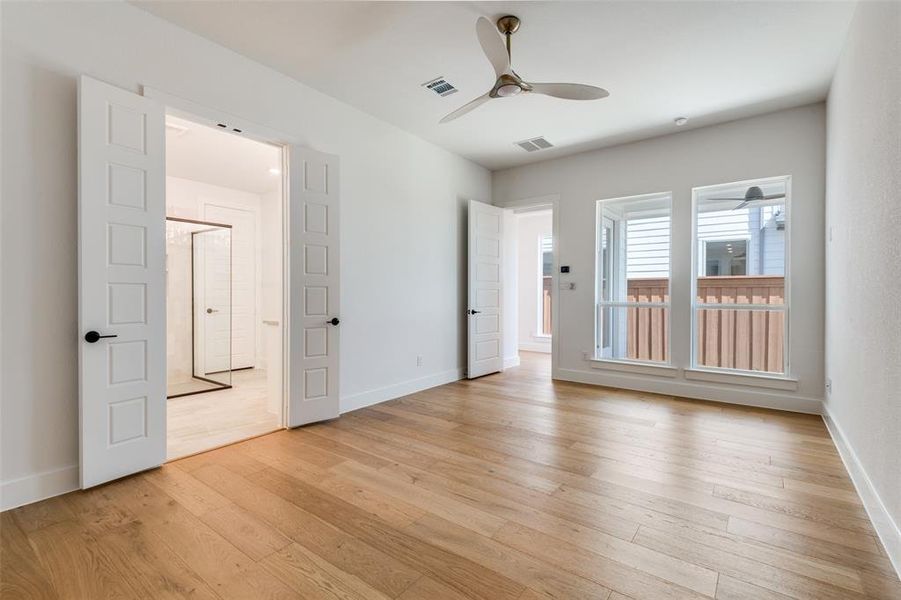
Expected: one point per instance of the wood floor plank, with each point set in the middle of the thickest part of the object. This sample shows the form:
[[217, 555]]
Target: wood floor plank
[[312, 577], [21, 573], [355, 556], [507, 487], [447, 567]]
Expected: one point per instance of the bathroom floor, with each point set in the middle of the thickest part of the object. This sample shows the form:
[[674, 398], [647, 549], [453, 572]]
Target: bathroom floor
[[205, 421]]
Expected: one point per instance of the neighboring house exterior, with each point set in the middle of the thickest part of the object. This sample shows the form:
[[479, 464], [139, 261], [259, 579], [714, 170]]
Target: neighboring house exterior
[[747, 241]]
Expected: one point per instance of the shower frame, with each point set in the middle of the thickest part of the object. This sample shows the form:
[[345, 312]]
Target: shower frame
[[222, 386]]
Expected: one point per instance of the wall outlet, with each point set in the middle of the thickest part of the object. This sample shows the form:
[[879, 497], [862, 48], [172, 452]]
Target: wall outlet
[[418, 361], [828, 385]]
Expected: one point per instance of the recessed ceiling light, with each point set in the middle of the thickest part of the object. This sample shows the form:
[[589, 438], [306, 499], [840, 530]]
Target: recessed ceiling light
[[275, 171], [680, 121]]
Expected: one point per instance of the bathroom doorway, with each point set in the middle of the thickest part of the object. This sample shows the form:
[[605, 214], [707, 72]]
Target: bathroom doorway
[[224, 288]]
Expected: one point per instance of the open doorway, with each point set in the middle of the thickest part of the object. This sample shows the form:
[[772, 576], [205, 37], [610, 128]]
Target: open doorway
[[529, 276], [224, 288]]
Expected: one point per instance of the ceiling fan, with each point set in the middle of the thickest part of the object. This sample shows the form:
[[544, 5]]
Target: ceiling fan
[[754, 194], [508, 83]]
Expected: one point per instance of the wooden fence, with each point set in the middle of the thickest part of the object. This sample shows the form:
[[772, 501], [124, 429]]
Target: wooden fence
[[737, 339]]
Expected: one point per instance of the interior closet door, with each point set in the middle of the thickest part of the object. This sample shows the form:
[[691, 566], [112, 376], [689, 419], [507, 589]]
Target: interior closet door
[[313, 327], [484, 316], [121, 282]]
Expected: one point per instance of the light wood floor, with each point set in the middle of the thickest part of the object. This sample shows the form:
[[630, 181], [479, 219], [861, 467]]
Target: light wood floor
[[507, 487], [212, 419]]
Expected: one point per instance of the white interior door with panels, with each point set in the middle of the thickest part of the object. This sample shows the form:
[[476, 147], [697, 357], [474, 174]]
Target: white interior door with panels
[[484, 315], [313, 283], [121, 282], [243, 280], [212, 303]]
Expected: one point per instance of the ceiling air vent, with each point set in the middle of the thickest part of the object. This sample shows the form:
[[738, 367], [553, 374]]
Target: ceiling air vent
[[440, 86], [534, 144]]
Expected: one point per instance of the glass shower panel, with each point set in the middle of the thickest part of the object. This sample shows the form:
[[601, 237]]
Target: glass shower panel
[[212, 305], [198, 307]]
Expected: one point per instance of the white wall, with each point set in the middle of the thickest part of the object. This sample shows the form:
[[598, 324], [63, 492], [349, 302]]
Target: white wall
[[863, 263], [790, 142], [531, 227], [402, 217]]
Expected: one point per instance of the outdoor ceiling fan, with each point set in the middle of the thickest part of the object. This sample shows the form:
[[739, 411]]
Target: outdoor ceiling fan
[[508, 83], [754, 194]]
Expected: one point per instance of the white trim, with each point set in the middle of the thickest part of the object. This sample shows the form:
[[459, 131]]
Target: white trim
[[537, 346], [37, 487], [887, 529], [511, 361], [211, 116], [743, 396], [396, 390], [774, 382], [620, 259], [629, 366]]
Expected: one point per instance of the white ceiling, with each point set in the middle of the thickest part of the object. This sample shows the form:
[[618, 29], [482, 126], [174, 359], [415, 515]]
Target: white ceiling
[[709, 61], [201, 153]]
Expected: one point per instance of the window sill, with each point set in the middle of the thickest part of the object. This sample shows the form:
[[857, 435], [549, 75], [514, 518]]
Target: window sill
[[540, 336], [628, 366], [773, 382]]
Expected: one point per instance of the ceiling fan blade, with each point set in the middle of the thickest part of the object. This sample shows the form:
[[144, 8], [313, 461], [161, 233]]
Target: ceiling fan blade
[[466, 108], [773, 196], [743, 204], [493, 46], [569, 91], [726, 199]]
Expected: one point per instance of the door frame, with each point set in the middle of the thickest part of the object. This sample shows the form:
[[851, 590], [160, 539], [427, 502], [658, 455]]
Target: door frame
[[552, 202], [218, 119]]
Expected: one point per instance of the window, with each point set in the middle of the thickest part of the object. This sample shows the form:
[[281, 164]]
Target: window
[[633, 272], [545, 283], [740, 305]]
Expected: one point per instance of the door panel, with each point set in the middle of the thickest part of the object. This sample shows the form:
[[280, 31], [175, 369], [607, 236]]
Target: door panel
[[121, 282], [314, 278], [485, 341]]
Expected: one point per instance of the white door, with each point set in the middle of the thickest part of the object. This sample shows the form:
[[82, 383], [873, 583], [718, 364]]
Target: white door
[[485, 339], [212, 301], [121, 282], [313, 318], [243, 280]]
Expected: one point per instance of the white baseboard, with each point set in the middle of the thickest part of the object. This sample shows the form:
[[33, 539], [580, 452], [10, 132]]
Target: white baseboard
[[390, 392], [40, 486], [763, 398], [886, 528], [536, 346], [511, 361]]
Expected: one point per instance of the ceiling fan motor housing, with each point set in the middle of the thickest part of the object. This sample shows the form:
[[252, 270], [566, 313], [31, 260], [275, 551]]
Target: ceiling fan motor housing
[[508, 24]]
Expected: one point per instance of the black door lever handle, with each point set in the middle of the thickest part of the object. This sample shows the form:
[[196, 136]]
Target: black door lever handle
[[333, 321], [92, 337], [474, 312]]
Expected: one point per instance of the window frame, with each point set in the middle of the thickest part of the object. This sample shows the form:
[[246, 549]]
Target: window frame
[[617, 255], [786, 303]]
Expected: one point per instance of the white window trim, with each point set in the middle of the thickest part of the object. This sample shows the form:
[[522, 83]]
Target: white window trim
[[600, 304], [740, 377], [696, 371], [660, 369]]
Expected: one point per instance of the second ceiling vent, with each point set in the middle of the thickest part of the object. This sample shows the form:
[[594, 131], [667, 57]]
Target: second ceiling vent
[[440, 86], [534, 144]]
